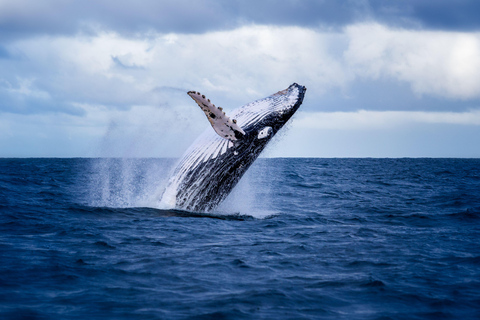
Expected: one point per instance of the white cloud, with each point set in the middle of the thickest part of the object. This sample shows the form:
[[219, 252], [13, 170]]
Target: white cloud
[[445, 64], [241, 64]]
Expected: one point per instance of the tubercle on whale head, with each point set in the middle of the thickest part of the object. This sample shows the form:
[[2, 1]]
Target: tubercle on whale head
[[298, 99], [289, 100], [293, 85]]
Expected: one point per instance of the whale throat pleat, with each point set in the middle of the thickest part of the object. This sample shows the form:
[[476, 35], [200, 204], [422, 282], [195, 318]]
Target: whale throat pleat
[[221, 123]]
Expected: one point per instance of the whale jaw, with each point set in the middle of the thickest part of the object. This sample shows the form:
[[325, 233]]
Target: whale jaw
[[213, 165]]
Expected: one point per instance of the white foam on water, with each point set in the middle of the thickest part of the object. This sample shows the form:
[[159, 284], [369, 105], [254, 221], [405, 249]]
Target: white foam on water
[[125, 183], [251, 196]]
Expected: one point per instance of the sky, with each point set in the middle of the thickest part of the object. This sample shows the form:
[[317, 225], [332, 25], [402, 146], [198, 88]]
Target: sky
[[103, 78]]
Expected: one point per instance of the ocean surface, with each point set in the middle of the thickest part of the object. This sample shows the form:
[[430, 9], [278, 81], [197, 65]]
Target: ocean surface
[[297, 239]]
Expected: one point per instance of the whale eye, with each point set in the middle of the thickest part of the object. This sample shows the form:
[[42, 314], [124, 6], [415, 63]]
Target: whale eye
[[265, 132]]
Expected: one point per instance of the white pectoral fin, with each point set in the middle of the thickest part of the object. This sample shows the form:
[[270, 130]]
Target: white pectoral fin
[[221, 123]]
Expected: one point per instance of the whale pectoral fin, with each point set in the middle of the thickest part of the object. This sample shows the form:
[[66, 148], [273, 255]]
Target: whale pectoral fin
[[221, 123]]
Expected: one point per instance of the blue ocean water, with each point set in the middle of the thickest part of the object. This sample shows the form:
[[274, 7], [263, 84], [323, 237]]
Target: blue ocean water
[[297, 239]]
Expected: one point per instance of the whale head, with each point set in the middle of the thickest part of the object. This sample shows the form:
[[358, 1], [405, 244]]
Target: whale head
[[262, 119]]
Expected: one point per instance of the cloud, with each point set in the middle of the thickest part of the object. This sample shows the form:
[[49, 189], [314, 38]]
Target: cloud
[[342, 69], [461, 15], [236, 66], [4, 54], [373, 120], [27, 18], [21, 96], [73, 70], [445, 64]]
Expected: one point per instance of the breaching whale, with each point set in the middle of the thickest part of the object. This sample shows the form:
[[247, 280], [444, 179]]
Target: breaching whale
[[215, 162]]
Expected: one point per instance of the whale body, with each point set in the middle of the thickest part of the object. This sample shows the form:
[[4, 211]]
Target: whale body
[[215, 162]]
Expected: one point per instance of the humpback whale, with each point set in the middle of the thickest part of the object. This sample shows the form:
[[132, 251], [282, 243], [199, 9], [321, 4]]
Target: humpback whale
[[215, 162]]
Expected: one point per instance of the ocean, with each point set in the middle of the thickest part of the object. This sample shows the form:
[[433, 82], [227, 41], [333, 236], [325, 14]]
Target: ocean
[[297, 239]]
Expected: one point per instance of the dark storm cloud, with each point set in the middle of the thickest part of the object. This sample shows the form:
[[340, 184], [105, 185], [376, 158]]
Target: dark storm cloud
[[459, 15], [25, 17]]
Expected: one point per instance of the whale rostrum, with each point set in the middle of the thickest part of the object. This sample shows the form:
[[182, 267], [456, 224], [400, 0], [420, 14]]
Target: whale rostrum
[[215, 162], [221, 123]]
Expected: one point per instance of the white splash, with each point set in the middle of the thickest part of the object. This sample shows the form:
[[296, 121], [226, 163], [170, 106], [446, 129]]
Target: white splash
[[127, 182]]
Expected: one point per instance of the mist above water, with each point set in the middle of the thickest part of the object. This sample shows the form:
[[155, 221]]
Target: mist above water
[[131, 182], [128, 182]]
